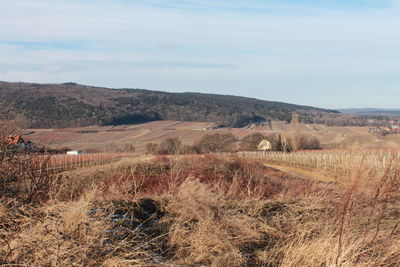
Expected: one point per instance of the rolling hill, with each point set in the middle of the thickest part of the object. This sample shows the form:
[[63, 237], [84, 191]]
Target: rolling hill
[[371, 111], [71, 104]]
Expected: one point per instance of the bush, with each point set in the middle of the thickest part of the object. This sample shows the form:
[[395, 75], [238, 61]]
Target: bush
[[170, 146], [308, 143], [23, 175], [129, 148], [217, 143], [314, 143], [187, 149], [151, 148], [251, 142], [303, 142]]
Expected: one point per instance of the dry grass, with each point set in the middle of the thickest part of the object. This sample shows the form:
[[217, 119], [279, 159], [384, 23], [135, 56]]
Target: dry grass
[[338, 164], [64, 235], [205, 231], [211, 211]]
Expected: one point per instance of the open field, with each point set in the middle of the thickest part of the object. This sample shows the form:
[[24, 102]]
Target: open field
[[102, 139], [106, 138]]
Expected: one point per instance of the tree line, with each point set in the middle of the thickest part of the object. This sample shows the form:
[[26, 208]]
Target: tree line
[[227, 142]]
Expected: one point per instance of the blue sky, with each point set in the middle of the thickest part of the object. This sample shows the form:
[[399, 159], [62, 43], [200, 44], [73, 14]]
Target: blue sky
[[332, 54]]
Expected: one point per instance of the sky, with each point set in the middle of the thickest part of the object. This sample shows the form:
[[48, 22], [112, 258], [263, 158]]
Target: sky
[[330, 54]]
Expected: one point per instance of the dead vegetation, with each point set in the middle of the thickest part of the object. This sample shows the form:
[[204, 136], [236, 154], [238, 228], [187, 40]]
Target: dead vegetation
[[204, 210]]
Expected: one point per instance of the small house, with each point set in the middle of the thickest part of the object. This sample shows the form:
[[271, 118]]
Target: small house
[[75, 152], [16, 140], [264, 145]]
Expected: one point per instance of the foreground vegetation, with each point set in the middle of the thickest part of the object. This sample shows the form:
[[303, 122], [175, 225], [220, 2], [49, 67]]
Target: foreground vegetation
[[203, 209]]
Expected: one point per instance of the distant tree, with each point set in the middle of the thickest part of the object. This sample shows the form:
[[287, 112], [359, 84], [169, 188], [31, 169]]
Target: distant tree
[[217, 143], [295, 131], [187, 149], [286, 143], [314, 143], [250, 142], [308, 143], [170, 146], [111, 147], [304, 142], [276, 142], [151, 148], [129, 148]]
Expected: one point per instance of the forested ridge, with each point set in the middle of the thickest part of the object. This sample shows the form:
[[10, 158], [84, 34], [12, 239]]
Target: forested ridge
[[70, 104]]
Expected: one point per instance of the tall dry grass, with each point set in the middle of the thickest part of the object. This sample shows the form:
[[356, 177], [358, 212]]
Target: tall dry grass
[[337, 164], [211, 211]]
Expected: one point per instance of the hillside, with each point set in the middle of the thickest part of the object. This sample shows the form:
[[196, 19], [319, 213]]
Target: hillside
[[118, 138], [70, 104], [371, 111]]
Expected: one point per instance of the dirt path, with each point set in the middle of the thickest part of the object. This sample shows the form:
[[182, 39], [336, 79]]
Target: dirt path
[[143, 132], [293, 171]]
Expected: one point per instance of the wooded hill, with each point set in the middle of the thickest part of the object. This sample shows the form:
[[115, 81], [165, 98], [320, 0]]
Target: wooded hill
[[371, 111], [70, 104]]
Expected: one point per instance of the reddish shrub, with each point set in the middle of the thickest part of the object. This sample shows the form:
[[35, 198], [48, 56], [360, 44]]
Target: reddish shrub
[[231, 176]]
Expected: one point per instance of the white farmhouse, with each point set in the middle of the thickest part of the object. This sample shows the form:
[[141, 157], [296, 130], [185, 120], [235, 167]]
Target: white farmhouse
[[75, 152], [264, 145]]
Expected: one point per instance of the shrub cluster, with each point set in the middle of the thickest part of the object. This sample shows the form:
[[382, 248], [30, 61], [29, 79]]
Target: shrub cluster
[[114, 148], [279, 143], [209, 143], [23, 176], [232, 175], [220, 142]]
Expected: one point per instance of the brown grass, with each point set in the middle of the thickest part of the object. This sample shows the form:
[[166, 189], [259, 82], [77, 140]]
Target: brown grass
[[207, 210]]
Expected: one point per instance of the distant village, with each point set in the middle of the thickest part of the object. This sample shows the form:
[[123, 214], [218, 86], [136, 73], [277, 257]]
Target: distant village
[[16, 143], [394, 128]]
